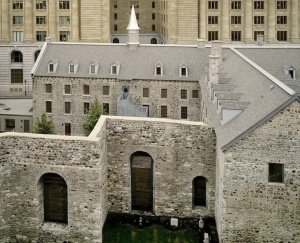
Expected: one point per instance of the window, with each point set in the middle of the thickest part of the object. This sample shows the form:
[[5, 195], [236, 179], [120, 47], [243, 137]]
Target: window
[[212, 19], [105, 90], [164, 111], [92, 68], [259, 19], [195, 94], [256, 33], [52, 67], [64, 35], [153, 16], [17, 19], [276, 172], [68, 129], [40, 20], [183, 94], [213, 35], [17, 5], [236, 4], [116, 40], [199, 191], [72, 68], [55, 198], [86, 107], [9, 124], [36, 55], [236, 35], [16, 56], [106, 108], [141, 181], [137, 16], [16, 76], [48, 88], [259, 5], [40, 5], [115, 27], [281, 19], [115, 16], [18, 36], [212, 4], [183, 112], [41, 35], [153, 4], [158, 70], [86, 89], [67, 89], [282, 35], [115, 5], [164, 93], [114, 69], [183, 71], [153, 41], [153, 27], [236, 19], [67, 107], [146, 92], [48, 106], [64, 20], [281, 4], [64, 5]]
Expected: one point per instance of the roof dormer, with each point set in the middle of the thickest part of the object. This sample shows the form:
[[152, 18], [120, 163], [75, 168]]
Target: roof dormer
[[52, 67], [290, 70], [115, 69], [158, 69], [183, 70], [93, 68], [73, 67]]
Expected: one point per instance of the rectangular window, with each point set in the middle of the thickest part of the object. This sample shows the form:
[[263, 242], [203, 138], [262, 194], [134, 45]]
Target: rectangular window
[[158, 71], [212, 4], [115, 27], [236, 35], [212, 19], [114, 69], [17, 19], [93, 68], [281, 4], [48, 88], [164, 111], [115, 16], [137, 16], [106, 108], [146, 92], [64, 4], [153, 4], [184, 112], [51, 68], [64, 20], [67, 107], [281, 19], [72, 68], [153, 27], [153, 16], [259, 19], [236, 5], [164, 93], [105, 90], [48, 106], [115, 5], [276, 172], [86, 89], [183, 71], [236, 19], [256, 33], [17, 4], [41, 35], [16, 76], [86, 107], [40, 5], [9, 124], [40, 19], [183, 94], [259, 4], [195, 94], [213, 35], [18, 36], [64, 35], [67, 89], [282, 35]]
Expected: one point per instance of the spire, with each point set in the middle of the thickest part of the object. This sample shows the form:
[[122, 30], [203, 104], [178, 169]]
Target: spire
[[133, 25]]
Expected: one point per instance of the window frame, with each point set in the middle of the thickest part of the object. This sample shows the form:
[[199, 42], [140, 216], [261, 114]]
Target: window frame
[[146, 92], [40, 20], [64, 4], [259, 5], [67, 89], [195, 93], [259, 20], [213, 35], [41, 5], [212, 19], [86, 89], [236, 20], [16, 56], [16, 77], [164, 93], [18, 20], [105, 90], [86, 107], [67, 108], [64, 20], [281, 19], [278, 169], [183, 94], [213, 4], [236, 4], [18, 36], [17, 5], [236, 35], [48, 88], [199, 197], [40, 35], [281, 5], [282, 35], [163, 111], [184, 112], [48, 105]]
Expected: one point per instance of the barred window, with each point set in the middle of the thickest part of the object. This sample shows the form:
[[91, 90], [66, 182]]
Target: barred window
[[164, 93], [16, 76], [183, 94], [195, 94], [213, 19], [164, 111], [184, 112]]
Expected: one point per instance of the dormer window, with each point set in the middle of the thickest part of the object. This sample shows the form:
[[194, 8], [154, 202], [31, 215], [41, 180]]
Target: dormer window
[[94, 68], [73, 67], [183, 71], [290, 70], [115, 69], [52, 67], [158, 70]]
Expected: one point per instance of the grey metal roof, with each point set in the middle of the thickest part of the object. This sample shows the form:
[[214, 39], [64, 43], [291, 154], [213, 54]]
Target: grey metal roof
[[256, 91], [17, 107], [273, 60], [134, 63]]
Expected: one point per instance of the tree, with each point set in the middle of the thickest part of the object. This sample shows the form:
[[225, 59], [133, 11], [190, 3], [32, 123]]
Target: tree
[[43, 125], [93, 115]]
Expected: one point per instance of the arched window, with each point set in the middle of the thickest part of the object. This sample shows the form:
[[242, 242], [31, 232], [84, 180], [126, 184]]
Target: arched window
[[16, 56], [199, 191], [116, 40], [36, 55], [153, 41], [55, 198], [141, 181]]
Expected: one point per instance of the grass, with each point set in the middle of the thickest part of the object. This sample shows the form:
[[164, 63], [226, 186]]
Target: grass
[[154, 234]]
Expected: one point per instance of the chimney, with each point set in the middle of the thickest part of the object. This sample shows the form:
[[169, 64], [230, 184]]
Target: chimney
[[214, 62], [201, 43], [133, 31]]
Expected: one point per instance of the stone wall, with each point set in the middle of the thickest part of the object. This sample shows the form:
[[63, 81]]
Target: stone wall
[[23, 161], [180, 151], [248, 207], [77, 117]]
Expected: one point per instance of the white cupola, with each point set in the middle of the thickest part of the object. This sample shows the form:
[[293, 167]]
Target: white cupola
[[133, 30]]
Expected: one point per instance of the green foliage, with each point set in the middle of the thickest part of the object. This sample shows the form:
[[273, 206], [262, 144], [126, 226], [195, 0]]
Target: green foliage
[[93, 115], [43, 125]]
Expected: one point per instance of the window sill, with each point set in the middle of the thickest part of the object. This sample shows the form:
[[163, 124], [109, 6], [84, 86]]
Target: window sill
[[276, 183], [53, 226]]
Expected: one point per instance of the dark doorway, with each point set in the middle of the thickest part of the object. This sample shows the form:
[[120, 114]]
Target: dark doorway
[[147, 106], [68, 129]]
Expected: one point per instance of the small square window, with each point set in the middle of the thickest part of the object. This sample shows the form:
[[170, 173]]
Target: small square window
[[164, 93], [212, 4], [281, 4], [17, 19], [145, 92], [164, 111], [67, 89], [67, 107], [236, 19], [48, 88], [212, 19], [276, 172], [184, 113], [17, 5], [105, 90], [236, 5], [86, 89], [259, 19], [64, 4], [195, 93], [213, 35], [282, 35], [281, 19], [40, 5], [86, 107], [183, 94], [48, 106], [236, 35]]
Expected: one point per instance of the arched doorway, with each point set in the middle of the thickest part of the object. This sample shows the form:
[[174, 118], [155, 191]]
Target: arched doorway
[[141, 181], [153, 41], [116, 40]]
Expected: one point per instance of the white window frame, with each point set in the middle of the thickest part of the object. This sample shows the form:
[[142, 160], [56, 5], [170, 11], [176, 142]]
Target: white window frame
[[96, 68], [18, 36], [73, 67], [64, 20], [158, 66], [54, 67], [116, 71], [181, 68]]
